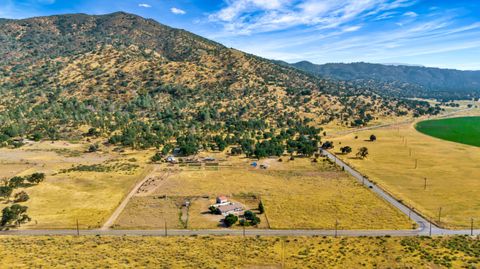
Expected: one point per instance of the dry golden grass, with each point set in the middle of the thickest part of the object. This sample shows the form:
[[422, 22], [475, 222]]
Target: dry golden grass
[[237, 252], [149, 212], [64, 198], [451, 169], [297, 194]]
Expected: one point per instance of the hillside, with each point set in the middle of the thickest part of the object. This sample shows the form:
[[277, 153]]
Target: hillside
[[403, 80], [142, 84]]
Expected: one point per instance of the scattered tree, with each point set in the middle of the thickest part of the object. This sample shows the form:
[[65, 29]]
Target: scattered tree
[[6, 191], [261, 209], [346, 150], [230, 219], [36, 178], [327, 145], [16, 182], [15, 214], [362, 152], [214, 210], [373, 138]]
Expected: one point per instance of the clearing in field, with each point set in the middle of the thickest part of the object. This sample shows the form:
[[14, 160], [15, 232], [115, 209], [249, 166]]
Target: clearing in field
[[78, 186], [296, 194], [238, 252], [402, 160], [465, 130]]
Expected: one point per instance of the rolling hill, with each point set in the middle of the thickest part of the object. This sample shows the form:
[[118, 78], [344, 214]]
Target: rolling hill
[[142, 84], [402, 80]]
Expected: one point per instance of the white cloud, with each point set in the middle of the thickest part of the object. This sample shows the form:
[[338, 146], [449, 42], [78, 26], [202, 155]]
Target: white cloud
[[178, 11], [144, 5], [252, 16], [410, 14]]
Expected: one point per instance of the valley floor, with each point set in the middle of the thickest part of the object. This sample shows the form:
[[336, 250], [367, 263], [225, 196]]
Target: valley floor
[[402, 160]]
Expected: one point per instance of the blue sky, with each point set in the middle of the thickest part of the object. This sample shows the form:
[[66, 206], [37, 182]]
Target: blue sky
[[442, 33]]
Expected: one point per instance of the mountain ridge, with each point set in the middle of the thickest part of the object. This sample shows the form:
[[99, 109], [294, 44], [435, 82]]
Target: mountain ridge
[[119, 72], [407, 81]]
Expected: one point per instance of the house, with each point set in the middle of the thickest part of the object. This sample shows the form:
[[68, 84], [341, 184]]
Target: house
[[222, 200], [230, 208]]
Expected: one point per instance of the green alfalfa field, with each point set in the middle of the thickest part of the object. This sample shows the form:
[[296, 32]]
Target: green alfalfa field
[[465, 130]]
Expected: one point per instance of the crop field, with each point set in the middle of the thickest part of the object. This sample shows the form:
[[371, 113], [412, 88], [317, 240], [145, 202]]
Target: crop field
[[79, 186], [465, 130], [402, 160], [238, 252], [296, 194]]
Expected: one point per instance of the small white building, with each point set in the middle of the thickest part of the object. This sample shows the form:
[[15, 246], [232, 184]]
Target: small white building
[[230, 208], [171, 159], [222, 199]]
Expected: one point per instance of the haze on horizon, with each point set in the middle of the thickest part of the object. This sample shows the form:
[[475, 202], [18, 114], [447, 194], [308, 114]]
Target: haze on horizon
[[443, 34]]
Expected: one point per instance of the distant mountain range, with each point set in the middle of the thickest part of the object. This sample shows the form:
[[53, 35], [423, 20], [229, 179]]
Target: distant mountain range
[[402, 80]]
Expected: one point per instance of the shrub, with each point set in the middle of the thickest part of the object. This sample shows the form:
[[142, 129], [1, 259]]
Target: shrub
[[21, 197]]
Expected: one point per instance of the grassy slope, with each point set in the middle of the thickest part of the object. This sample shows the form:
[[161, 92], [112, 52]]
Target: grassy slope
[[451, 170], [465, 130], [237, 252]]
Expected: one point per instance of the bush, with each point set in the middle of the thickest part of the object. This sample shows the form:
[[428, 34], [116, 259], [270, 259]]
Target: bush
[[157, 157], [93, 148], [21, 197]]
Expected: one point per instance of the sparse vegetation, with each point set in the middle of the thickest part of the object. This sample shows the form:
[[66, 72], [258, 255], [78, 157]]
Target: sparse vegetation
[[203, 251]]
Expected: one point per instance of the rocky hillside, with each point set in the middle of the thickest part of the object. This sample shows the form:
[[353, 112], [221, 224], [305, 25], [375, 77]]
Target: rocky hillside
[[120, 72]]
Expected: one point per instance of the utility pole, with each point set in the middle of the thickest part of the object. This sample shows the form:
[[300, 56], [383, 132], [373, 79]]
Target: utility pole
[[425, 185], [439, 214], [244, 230], [430, 229], [166, 228], [471, 227], [336, 227], [416, 163], [78, 229]]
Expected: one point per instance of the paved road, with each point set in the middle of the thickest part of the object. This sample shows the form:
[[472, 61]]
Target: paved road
[[238, 232], [425, 227]]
